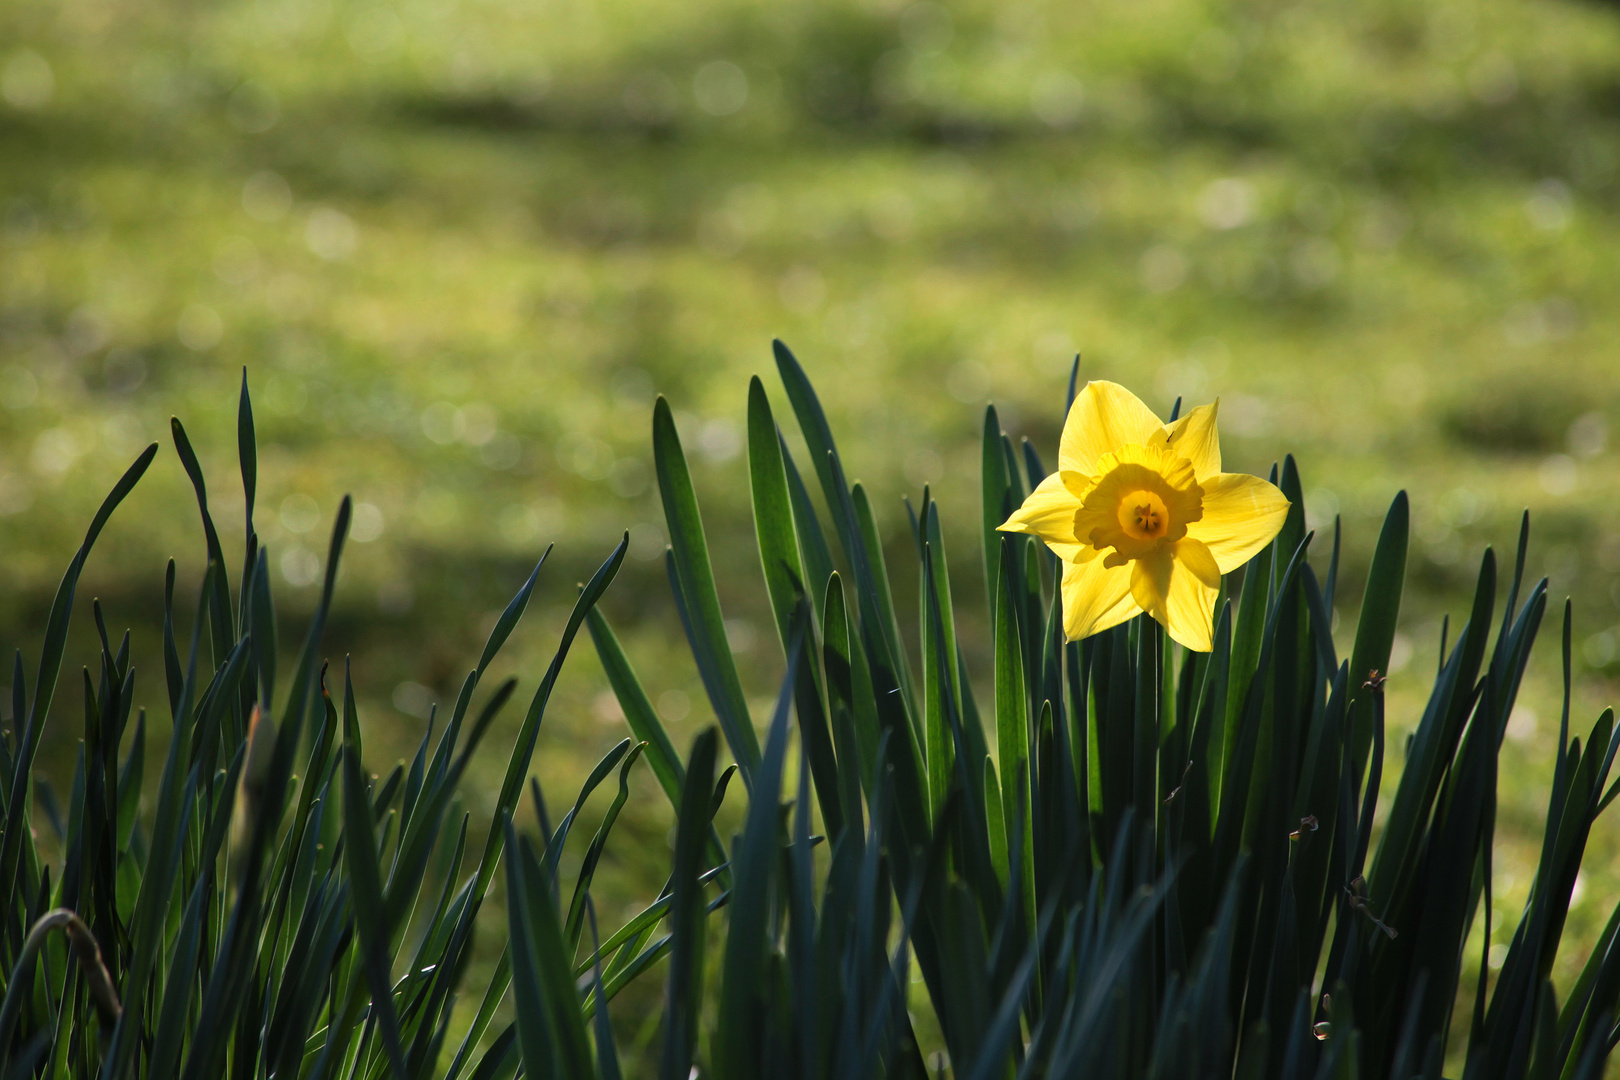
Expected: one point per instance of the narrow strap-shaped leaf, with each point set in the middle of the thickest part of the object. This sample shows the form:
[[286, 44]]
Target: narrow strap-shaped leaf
[[1433, 748], [169, 833], [773, 513], [755, 862], [1151, 643], [416, 843], [993, 494], [1508, 612], [177, 790], [174, 674], [493, 994], [56, 625], [131, 781], [247, 454], [1110, 728], [1288, 482], [518, 765], [263, 631], [1330, 583], [684, 995], [441, 940], [621, 975], [607, 1054], [1592, 998], [853, 762], [306, 689], [537, 1041], [813, 550], [587, 866], [1591, 1064], [495, 1058], [877, 584], [973, 841], [941, 670], [1530, 957], [641, 925], [1004, 1025], [808, 977], [604, 767], [324, 913], [1248, 625], [839, 803], [1375, 630], [1240, 761], [840, 657], [416, 776], [371, 921], [546, 969], [510, 615], [1034, 469], [50, 665], [247, 451], [996, 822], [481, 725], [1320, 628], [19, 709], [433, 771], [164, 1058], [382, 799], [1012, 730], [823, 451], [637, 708], [857, 536], [224, 619], [642, 717], [1192, 802], [689, 556], [1015, 475]]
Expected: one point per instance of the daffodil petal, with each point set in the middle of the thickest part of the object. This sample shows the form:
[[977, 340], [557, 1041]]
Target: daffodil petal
[[1048, 512], [1095, 598], [1195, 557], [1077, 483], [1190, 603], [1150, 581], [1173, 592], [1242, 514], [1194, 437], [1104, 417], [1071, 552]]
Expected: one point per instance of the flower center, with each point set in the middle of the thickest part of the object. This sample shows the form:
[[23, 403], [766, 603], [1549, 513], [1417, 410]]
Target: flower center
[[1142, 499], [1143, 515]]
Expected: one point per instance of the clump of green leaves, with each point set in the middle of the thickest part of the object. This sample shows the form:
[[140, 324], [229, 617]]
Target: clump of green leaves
[[1164, 868], [273, 916]]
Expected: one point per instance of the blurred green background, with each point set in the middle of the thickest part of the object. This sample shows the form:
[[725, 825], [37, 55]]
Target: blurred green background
[[459, 245]]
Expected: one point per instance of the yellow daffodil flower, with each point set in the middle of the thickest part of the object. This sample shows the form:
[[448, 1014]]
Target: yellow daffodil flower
[[1143, 518]]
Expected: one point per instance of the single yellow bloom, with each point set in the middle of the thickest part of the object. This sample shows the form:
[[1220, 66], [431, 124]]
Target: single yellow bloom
[[1143, 518]]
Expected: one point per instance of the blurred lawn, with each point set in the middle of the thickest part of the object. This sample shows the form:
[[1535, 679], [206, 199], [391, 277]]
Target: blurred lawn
[[459, 245]]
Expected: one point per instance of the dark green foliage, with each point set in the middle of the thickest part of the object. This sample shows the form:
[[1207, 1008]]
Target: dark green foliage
[[1158, 870], [256, 923], [1167, 852]]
